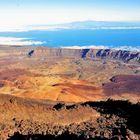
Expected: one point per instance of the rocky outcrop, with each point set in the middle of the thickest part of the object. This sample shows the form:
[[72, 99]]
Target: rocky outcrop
[[48, 53], [125, 56], [51, 120]]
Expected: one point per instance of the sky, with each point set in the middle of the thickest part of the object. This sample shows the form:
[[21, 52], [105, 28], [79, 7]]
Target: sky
[[17, 13]]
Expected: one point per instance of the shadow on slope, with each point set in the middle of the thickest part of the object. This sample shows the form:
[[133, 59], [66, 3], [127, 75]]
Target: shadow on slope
[[123, 109], [64, 136]]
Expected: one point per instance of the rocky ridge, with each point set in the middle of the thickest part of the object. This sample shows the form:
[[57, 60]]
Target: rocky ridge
[[122, 55], [45, 52], [100, 120]]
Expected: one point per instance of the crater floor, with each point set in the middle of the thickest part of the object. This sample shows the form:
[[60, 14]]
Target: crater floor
[[64, 93]]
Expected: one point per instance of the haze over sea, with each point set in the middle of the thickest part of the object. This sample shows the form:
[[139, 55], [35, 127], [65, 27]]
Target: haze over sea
[[71, 23], [127, 39]]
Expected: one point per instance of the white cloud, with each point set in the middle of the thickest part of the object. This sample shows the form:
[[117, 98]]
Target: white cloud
[[115, 28], [59, 27], [128, 48], [85, 47], [18, 41]]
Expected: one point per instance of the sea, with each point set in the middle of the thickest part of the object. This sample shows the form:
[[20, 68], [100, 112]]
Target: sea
[[126, 39]]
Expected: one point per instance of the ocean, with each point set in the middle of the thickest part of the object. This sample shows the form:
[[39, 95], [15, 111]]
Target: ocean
[[128, 39]]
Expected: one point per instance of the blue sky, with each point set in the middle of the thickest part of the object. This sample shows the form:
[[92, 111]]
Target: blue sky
[[120, 4], [14, 13]]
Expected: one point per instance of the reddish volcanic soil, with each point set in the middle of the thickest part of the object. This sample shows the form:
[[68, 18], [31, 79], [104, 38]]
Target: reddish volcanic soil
[[23, 83], [68, 94], [121, 84], [65, 78]]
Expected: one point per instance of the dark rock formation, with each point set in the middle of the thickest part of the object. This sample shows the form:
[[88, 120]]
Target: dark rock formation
[[112, 120], [125, 56], [31, 53], [45, 52], [123, 109]]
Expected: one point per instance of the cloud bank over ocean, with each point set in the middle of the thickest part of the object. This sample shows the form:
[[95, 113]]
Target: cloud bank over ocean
[[76, 35], [18, 41], [57, 28], [128, 48], [29, 41], [87, 25]]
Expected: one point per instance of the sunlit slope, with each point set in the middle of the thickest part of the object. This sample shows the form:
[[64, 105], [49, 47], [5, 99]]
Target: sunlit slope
[[62, 75]]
